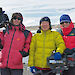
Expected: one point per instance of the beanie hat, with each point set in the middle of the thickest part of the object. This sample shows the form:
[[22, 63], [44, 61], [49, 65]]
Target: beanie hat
[[45, 19], [65, 18]]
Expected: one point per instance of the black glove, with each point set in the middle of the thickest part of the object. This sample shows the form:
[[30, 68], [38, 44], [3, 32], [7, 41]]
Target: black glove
[[24, 54], [68, 51]]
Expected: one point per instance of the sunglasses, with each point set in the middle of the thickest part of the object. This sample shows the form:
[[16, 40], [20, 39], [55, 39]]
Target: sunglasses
[[19, 18], [64, 22]]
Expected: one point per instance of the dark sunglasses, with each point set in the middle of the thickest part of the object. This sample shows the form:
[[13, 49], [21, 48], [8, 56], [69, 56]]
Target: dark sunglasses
[[19, 18], [64, 22]]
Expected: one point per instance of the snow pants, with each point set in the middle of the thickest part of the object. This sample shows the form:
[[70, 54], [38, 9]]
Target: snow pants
[[7, 71]]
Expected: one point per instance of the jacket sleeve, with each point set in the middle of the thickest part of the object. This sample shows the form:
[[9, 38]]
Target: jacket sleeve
[[60, 43], [32, 51], [1, 43], [1, 40], [27, 44]]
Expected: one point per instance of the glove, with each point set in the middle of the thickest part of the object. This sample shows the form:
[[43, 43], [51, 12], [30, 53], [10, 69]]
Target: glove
[[68, 51], [57, 56], [33, 69], [24, 54]]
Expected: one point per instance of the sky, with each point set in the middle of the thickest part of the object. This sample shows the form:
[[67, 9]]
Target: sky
[[34, 10]]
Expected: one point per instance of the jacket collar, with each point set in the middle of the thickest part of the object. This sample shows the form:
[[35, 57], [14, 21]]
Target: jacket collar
[[68, 29], [47, 32]]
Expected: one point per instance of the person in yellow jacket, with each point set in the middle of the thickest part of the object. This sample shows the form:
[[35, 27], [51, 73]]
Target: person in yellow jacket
[[42, 46]]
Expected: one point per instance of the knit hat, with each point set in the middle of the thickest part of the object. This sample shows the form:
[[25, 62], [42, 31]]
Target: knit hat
[[65, 18], [45, 19]]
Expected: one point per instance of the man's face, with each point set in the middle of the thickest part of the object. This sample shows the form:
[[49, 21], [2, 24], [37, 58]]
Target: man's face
[[16, 20], [65, 24], [45, 25]]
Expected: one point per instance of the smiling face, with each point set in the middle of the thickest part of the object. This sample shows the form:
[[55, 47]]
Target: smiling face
[[45, 25], [16, 20]]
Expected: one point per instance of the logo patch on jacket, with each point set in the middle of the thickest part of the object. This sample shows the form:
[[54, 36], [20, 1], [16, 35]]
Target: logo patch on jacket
[[18, 39]]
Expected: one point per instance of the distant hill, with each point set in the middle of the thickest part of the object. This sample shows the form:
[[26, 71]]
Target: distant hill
[[34, 29]]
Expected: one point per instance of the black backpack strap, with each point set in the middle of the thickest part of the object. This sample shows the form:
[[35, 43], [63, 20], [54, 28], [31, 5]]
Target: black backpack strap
[[24, 54], [4, 31], [72, 33], [26, 32]]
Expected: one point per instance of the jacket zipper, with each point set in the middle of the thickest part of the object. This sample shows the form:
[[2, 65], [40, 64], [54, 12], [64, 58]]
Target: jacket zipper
[[43, 48], [10, 46]]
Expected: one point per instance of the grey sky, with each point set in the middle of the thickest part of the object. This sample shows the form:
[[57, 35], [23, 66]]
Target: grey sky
[[34, 10]]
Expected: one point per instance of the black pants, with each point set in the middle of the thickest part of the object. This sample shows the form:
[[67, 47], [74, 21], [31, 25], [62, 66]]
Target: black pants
[[70, 71], [0, 71], [7, 71]]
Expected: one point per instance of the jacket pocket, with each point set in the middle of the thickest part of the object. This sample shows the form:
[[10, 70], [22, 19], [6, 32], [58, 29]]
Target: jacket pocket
[[17, 58]]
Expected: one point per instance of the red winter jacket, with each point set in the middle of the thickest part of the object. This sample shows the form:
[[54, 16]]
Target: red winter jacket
[[14, 42], [69, 36]]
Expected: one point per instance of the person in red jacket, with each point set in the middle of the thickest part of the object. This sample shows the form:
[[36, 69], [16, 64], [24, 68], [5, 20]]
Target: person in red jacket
[[68, 33], [15, 46]]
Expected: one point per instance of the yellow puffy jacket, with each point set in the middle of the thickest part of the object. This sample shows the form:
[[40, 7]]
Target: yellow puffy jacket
[[42, 45]]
